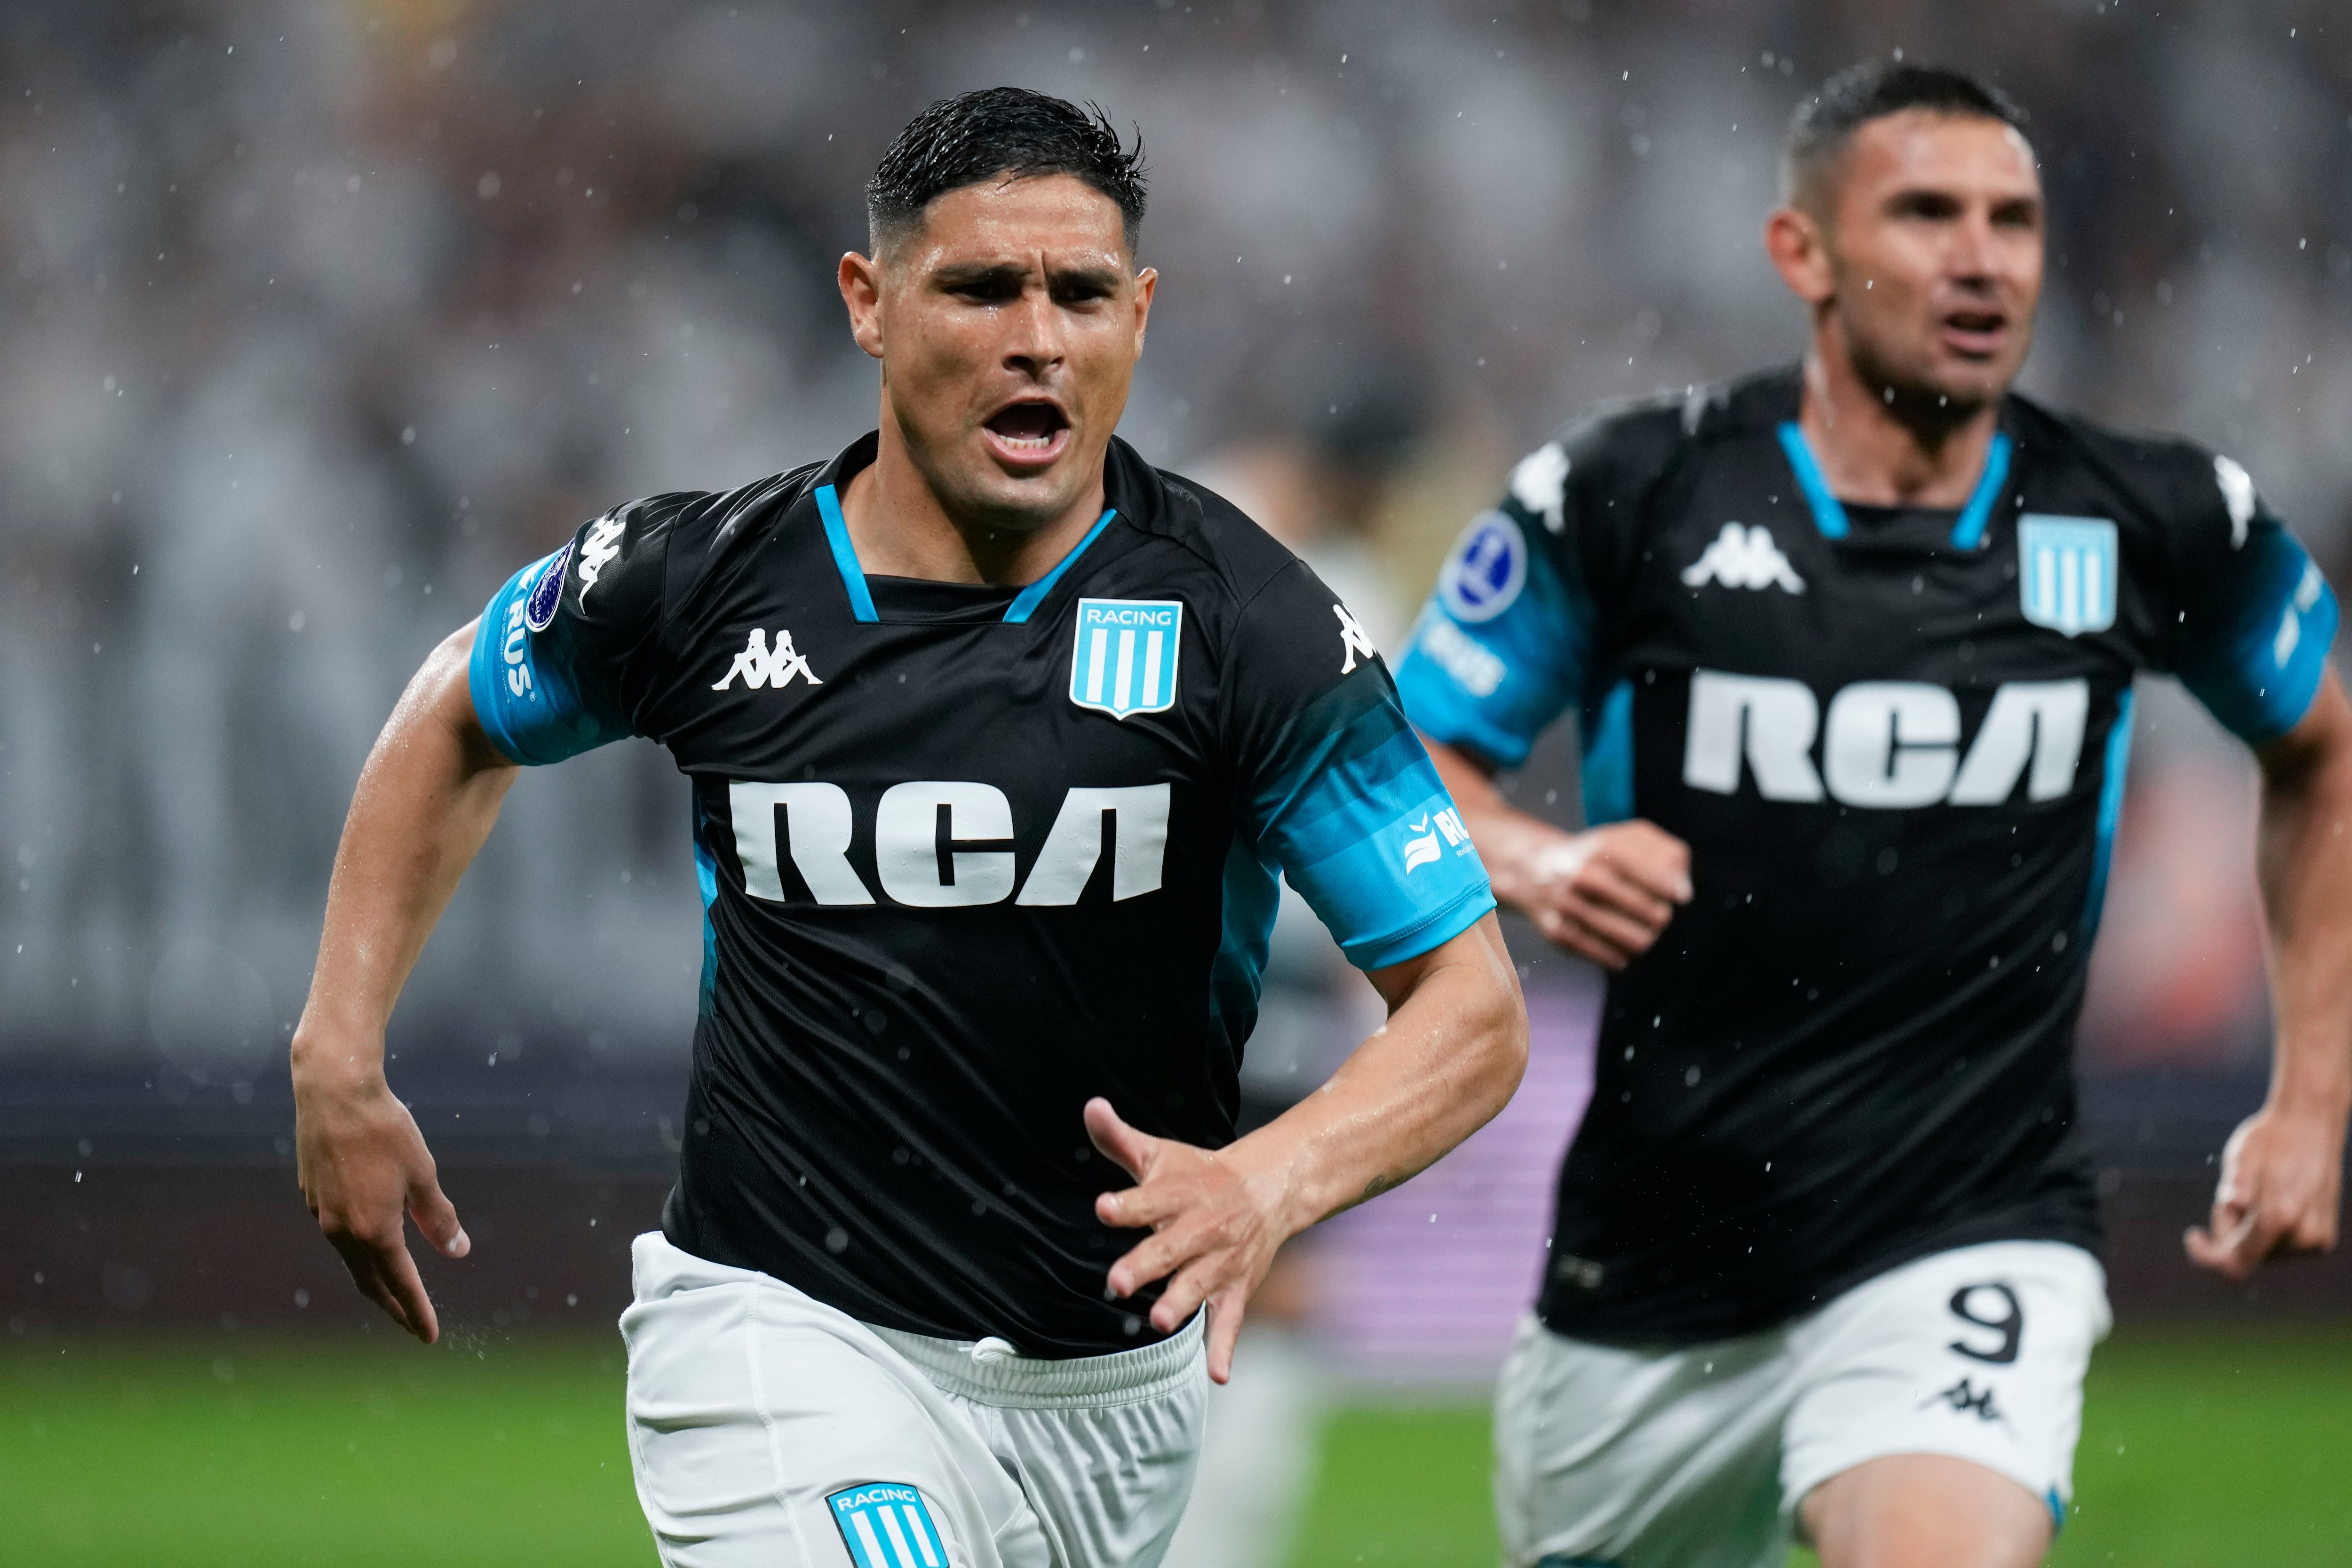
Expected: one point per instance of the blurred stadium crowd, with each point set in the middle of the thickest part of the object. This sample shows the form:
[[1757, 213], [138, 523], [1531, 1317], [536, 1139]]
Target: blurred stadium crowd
[[320, 319]]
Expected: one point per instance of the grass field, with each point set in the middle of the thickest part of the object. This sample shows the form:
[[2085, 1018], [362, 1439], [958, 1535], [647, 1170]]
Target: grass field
[[2202, 1446]]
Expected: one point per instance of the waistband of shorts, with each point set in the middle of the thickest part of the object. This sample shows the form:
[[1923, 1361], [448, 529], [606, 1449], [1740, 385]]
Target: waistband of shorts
[[1043, 1383]]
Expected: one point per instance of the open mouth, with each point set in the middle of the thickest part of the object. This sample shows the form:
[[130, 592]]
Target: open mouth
[[1976, 333], [1028, 434]]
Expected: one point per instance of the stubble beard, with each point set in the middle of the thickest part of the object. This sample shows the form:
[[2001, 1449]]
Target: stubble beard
[[1918, 401]]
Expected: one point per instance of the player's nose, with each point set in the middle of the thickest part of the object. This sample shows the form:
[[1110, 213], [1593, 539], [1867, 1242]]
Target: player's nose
[[1036, 339]]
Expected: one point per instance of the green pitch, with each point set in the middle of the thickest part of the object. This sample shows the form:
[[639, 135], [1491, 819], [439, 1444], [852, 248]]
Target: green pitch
[[2201, 1445]]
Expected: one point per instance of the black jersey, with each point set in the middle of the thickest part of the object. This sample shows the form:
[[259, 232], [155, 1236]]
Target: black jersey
[[971, 855], [1894, 740]]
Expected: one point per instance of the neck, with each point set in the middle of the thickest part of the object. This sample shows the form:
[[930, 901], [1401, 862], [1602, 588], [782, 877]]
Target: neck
[[1878, 453], [901, 528]]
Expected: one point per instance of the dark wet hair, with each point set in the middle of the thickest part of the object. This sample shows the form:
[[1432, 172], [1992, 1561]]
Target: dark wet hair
[[976, 136], [1825, 123]]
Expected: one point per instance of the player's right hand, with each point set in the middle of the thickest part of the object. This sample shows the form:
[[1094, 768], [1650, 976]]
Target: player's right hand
[[1606, 893], [363, 1163]]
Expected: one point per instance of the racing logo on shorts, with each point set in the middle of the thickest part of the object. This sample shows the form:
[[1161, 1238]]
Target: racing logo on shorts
[[1487, 569], [886, 1525], [2066, 572], [1123, 661]]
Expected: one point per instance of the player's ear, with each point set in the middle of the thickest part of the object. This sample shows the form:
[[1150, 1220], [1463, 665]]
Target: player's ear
[[1794, 239], [860, 278], [1147, 282]]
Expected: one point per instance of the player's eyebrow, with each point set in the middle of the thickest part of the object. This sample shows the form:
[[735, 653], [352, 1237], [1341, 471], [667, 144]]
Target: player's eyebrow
[[1104, 279], [991, 275]]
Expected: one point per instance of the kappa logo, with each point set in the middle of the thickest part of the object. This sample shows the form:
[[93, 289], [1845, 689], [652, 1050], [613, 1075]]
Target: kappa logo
[[2237, 488], [596, 552], [1540, 484], [1432, 826], [886, 1525], [1353, 641], [1966, 1399], [761, 665], [1744, 558]]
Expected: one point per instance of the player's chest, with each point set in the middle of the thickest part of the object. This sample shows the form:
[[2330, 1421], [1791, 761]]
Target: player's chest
[[1744, 579], [778, 679]]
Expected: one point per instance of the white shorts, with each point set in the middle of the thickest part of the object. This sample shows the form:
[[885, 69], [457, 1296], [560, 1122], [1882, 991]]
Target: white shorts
[[1700, 1455], [767, 1428]]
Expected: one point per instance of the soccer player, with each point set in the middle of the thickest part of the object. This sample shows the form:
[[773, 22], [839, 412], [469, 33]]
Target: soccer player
[[1852, 646], [999, 738]]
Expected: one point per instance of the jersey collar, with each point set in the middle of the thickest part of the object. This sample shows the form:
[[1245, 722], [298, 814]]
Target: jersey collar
[[853, 575], [1829, 515]]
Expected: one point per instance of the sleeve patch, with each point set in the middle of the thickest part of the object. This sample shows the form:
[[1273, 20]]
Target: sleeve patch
[[1488, 567]]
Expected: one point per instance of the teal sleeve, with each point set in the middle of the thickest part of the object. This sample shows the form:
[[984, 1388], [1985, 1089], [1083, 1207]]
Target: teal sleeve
[[2254, 648], [1362, 826], [537, 699], [1503, 646]]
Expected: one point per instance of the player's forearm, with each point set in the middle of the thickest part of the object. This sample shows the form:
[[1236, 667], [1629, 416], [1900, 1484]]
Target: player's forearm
[[425, 801], [2304, 863], [1448, 1058]]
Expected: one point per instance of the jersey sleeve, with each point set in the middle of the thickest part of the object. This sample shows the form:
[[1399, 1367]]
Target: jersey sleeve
[[1505, 644], [2257, 617], [1332, 784], [556, 650]]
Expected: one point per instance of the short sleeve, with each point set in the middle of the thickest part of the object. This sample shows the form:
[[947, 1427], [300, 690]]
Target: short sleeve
[[1332, 784], [1503, 646], [550, 662], [2256, 618]]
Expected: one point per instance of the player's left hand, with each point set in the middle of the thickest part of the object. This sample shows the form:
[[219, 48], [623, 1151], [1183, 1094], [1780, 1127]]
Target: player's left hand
[[2281, 1180], [1215, 1229]]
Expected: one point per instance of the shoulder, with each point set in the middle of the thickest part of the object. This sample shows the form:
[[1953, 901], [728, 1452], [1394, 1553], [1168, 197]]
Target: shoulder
[[1618, 451], [2149, 480], [1219, 545], [648, 558]]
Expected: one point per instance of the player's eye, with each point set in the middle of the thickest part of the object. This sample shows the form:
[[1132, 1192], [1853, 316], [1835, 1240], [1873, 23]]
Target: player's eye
[[2017, 215], [1931, 207]]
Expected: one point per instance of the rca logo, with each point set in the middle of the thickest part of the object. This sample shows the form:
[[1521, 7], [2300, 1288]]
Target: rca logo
[[919, 833], [1889, 744]]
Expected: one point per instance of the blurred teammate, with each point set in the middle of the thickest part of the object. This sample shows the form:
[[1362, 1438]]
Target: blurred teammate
[[999, 738], [1852, 646]]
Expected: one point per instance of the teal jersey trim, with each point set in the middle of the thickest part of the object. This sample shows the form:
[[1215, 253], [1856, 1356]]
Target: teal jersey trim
[[2111, 813], [1608, 770], [1829, 514], [2258, 670], [845, 556], [1968, 532], [861, 598], [1025, 602], [527, 694], [1359, 821]]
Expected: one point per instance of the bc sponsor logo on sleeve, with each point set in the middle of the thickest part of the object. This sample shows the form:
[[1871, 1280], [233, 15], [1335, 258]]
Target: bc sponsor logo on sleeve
[[1422, 846], [539, 608], [1123, 661], [2066, 568], [1487, 569], [886, 1525]]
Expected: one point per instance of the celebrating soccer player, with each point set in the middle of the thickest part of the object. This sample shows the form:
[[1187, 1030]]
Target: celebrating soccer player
[[999, 739], [1852, 645]]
